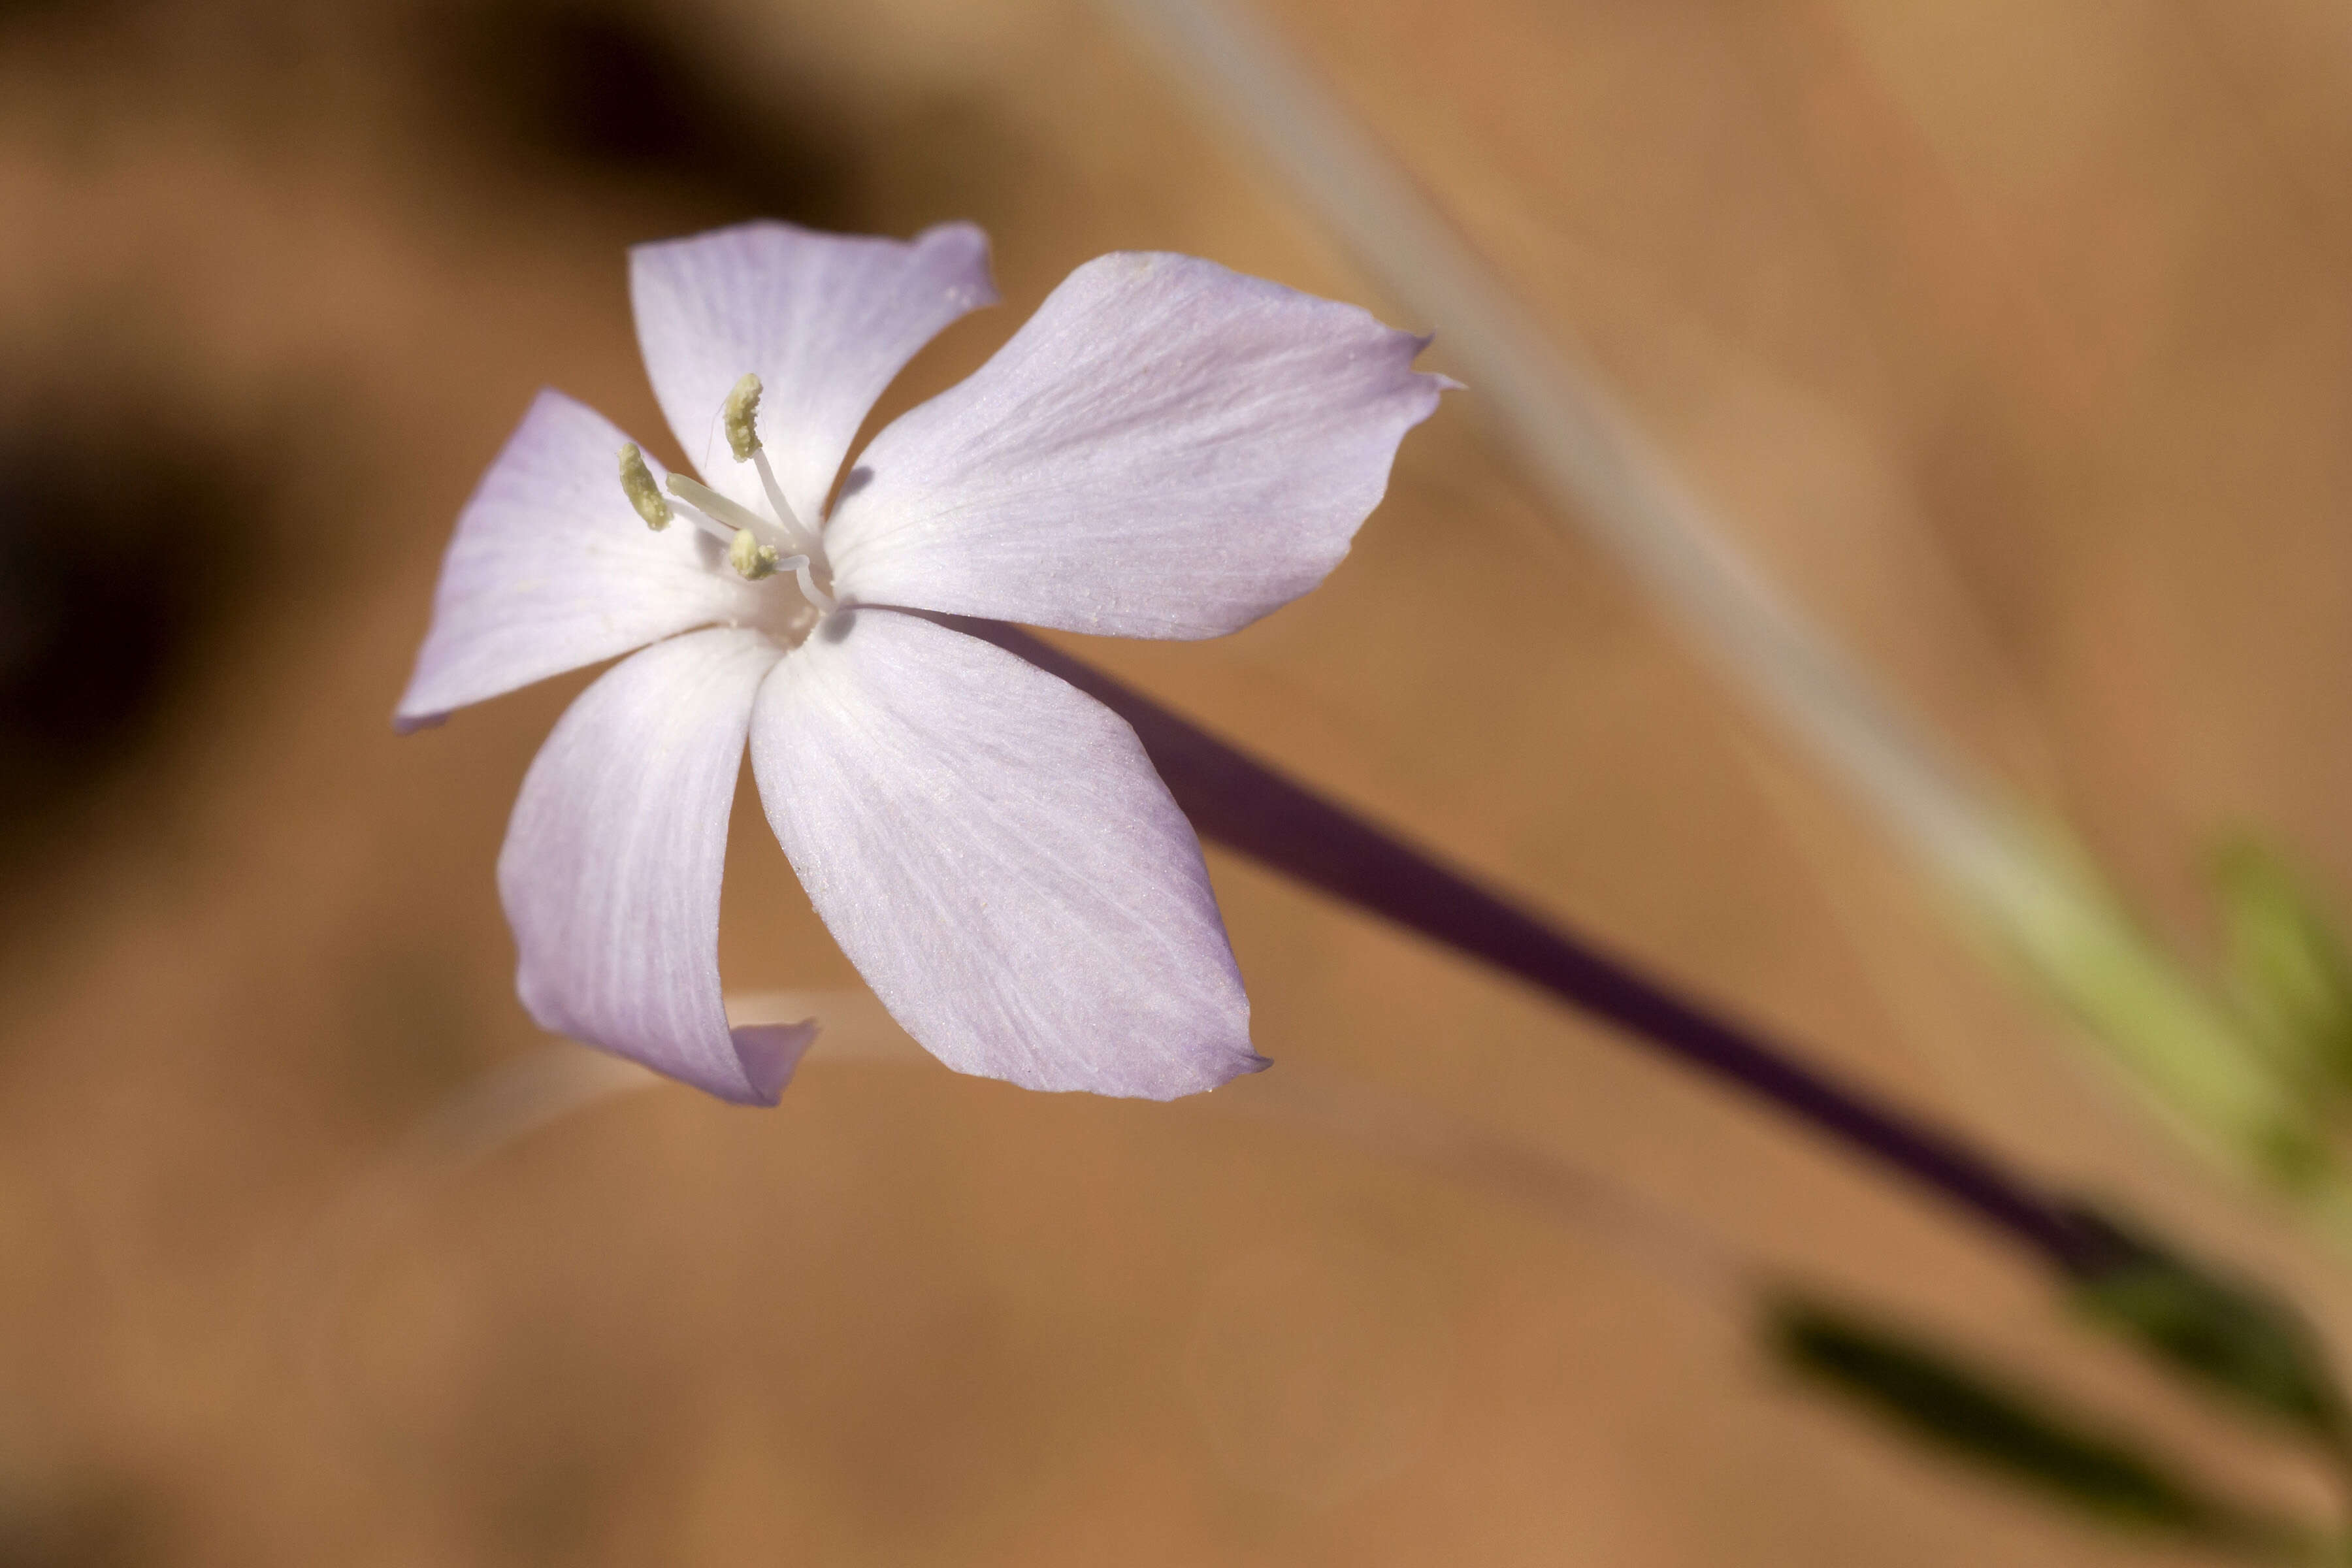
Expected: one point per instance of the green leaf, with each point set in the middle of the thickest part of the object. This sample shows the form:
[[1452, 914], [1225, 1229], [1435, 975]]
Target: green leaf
[[2053, 912], [2009, 1432], [2216, 1329], [2285, 964]]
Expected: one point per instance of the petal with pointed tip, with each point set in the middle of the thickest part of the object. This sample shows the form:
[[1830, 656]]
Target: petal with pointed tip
[[611, 869], [552, 569], [824, 320], [1167, 449], [770, 1051], [993, 851]]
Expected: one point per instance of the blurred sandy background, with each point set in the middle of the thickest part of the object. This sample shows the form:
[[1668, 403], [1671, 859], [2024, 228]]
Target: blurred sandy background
[[2018, 337]]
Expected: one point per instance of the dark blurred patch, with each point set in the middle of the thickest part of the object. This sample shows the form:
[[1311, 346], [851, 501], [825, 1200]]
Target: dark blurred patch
[[412, 1029], [119, 547], [617, 90], [89, 1526], [16, 11], [564, 1435]]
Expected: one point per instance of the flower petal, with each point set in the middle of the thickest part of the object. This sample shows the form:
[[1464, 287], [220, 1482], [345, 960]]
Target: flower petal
[[1167, 448], [825, 321], [551, 570], [770, 1051], [992, 850], [610, 874]]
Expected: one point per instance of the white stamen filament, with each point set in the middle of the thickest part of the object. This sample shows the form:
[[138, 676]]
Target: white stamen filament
[[809, 590], [740, 418], [693, 498], [733, 513], [705, 521], [803, 537], [745, 552]]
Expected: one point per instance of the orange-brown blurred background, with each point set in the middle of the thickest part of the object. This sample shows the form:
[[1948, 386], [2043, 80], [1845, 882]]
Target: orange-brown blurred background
[[2018, 338]]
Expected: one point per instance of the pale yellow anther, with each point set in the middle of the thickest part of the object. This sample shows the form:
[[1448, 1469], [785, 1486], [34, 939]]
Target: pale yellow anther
[[742, 409], [750, 557], [645, 495]]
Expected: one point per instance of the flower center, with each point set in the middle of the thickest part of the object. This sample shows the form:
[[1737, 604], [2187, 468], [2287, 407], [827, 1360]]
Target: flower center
[[757, 546]]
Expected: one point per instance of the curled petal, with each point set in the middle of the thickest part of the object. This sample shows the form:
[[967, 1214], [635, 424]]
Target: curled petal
[[552, 569], [1167, 448], [824, 320], [611, 869], [995, 853], [770, 1051]]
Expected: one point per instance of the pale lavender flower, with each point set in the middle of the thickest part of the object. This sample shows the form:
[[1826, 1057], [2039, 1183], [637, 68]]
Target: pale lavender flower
[[1166, 449]]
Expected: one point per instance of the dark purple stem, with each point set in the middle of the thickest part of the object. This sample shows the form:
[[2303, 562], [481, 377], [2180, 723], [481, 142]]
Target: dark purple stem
[[1248, 807]]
